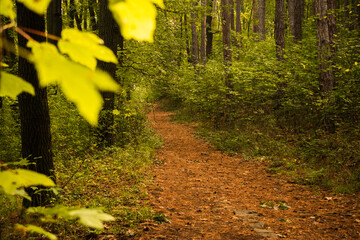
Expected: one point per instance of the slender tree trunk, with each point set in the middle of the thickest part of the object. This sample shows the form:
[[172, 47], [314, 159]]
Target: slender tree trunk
[[209, 33], [238, 16], [279, 29], [109, 32], [262, 30], [203, 34], [54, 19], [194, 40], [291, 13], [34, 113], [298, 16], [325, 35], [226, 30]]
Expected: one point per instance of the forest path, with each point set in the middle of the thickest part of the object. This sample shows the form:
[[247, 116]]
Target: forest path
[[209, 195]]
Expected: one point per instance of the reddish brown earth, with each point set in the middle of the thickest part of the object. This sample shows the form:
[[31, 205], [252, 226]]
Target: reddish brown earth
[[209, 195]]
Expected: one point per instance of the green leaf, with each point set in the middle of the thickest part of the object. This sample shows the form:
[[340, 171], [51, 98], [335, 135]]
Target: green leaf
[[11, 180], [80, 84], [92, 217], [38, 6], [11, 85], [6, 8], [84, 48], [36, 229], [137, 18]]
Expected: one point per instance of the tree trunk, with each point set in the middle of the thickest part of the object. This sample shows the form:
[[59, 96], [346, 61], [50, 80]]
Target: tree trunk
[[325, 35], [226, 30], [262, 19], [54, 19], [34, 113], [291, 13], [187, 40], [203, 33], [279, 29], [298, 16], [209, 33], [194, 40], [238, 16], [109, 32]]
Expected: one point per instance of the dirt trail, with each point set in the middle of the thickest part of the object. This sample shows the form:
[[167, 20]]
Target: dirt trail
[[209, 195]]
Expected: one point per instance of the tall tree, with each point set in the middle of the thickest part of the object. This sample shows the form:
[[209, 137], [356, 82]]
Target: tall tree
[[279, 28], [296, 12], [226, 30], [232, 14], [92, 14], [54, 19], [109, 32], [238, 16], [262, 19], [203, 33], [209, 33], [326, 27], [34, 112], [194, 39]]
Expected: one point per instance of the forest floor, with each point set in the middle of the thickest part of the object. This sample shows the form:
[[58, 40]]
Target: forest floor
[[207, 194]]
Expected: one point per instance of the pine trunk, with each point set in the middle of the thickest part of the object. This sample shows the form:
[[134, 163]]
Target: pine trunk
[[279, 29], [262, 19], [34, 113]]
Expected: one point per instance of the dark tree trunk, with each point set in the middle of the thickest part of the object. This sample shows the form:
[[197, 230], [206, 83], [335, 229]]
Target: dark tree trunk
[[238, 16], [203, 34], [54, 19], [298, 16], [92, 7], [279, 29], [325, 34], [226, 30], [262, 19], [194, 40], [209, 33], [109, 32], [34, 113]]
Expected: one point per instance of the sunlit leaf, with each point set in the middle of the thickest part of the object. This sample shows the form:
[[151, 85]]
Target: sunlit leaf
[[38, 6], [36, 229], [116, 112], [11, 85], [136, 18], [92, 217], [6, 8], [11, 180], [80, 84], [85, 48]]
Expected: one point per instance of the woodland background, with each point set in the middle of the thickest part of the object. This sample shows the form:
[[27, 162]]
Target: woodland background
[[276, 81]]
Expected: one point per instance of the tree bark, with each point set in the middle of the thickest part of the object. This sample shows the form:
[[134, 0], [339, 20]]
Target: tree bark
[[238, 16], [262, 19], [232, 14], [296, 12], [226, 30], [325, 35], [34, 113], [194, 40], [209, 33], [71, 12], [54, 19], [279, 29], [109, 32], [203, 33]]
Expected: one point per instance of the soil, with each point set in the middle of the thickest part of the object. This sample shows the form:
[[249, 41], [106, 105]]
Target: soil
[[207, 194]]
